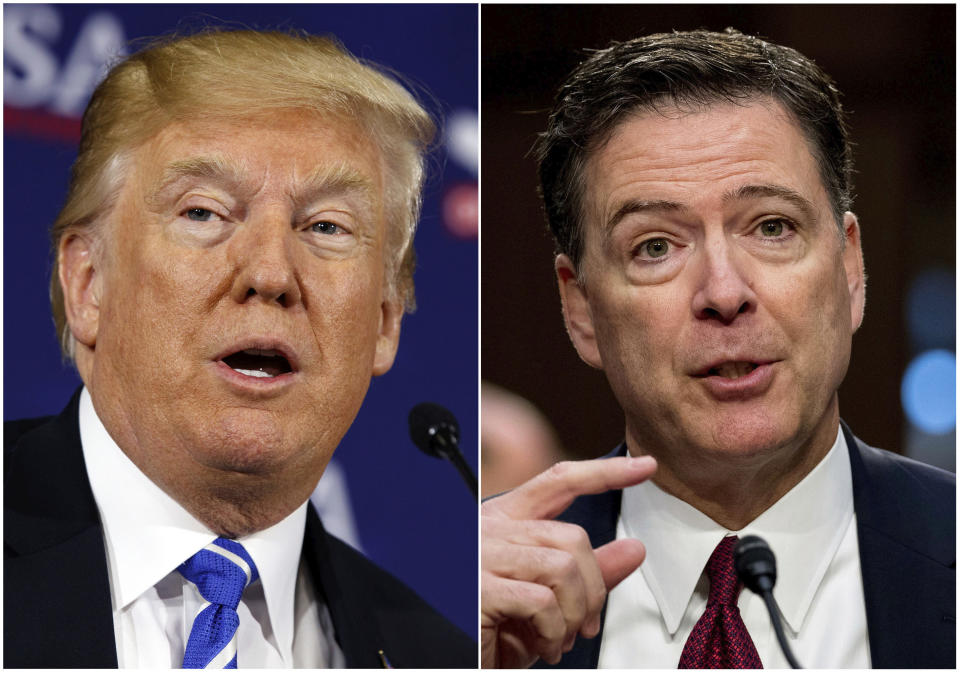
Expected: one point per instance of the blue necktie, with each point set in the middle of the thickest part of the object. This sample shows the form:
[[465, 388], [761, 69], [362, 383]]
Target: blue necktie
[[220, 571]]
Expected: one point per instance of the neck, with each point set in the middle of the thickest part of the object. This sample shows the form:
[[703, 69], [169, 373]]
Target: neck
[[230, 501], [733, 492], [235, 506], [232, 504]]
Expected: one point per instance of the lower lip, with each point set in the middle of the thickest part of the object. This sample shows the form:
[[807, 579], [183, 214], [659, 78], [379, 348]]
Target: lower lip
[[254, 384], [750, 385]]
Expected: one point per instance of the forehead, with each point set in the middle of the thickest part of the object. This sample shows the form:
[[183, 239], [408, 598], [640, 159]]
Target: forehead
[[696, 157], [283, 149]]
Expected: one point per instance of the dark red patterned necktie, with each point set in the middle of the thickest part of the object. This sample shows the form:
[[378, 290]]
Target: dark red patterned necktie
[[720, 640]]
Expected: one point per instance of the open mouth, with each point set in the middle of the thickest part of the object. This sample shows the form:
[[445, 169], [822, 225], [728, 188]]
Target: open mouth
[[731, 370], [259, 363]]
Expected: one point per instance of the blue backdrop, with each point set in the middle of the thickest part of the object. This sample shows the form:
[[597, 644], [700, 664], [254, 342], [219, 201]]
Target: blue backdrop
[[413, 515]]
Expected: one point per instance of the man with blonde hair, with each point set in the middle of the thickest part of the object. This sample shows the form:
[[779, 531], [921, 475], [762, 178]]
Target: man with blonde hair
[[231, 267]]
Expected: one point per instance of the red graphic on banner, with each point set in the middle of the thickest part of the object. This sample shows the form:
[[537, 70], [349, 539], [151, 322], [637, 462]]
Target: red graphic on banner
[[461, 211], [40, 124]]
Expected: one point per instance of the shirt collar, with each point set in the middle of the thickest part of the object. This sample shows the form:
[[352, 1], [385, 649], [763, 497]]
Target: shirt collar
[[148, 534], [804, 529]]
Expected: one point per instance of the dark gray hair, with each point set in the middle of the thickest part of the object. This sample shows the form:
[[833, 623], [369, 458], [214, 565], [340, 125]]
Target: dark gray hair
[[695, 68]]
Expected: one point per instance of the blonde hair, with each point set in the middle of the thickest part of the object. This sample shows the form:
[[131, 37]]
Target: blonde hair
[[235, 74]]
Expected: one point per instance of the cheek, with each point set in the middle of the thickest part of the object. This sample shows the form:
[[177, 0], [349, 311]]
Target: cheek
[[835, 321], [159, 303], [185, 281], [638, 332], [814, 311], [820, 300], [343, 306]]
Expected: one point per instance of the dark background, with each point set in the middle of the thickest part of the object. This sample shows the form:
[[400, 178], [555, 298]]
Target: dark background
[[896, 68], [412, 514]]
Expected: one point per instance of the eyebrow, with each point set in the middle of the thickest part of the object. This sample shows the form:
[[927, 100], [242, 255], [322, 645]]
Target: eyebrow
[[747, 192], [643, 206], [338, 178], [197, 167], [743, 193]]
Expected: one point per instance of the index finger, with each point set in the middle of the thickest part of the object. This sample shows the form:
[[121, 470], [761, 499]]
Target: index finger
[[552, 491]]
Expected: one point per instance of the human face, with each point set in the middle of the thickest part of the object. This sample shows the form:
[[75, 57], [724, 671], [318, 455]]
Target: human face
[[241, 306], [718, 295]]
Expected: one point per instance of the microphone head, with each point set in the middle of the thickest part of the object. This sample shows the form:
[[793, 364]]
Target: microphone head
[[433, 429], [755, 564]]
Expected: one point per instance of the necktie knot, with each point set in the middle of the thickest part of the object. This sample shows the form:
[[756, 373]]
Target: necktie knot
[[725, 586], [221, 572], [720, 639]]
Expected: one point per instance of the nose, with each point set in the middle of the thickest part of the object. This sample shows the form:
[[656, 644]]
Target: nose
[[265, 268], [724, 290]]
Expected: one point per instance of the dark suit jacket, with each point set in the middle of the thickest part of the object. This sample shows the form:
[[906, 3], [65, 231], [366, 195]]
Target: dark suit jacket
[[57, 608], [906, 529]]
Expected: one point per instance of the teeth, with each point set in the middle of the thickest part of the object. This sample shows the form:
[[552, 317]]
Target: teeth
[[253, 373], [733, 370], [258, 363]]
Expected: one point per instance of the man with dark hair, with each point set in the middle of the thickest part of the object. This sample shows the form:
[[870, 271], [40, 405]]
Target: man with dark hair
[[698, 187], [233, 263]]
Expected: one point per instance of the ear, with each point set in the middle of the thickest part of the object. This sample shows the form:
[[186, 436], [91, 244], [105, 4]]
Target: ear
[[576, 312], [80, 279], [853, 265], [391, 313]]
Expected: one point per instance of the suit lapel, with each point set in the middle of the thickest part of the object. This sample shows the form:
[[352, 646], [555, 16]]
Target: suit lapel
[[56, 587], [907, 542], [341, 590], [907, 558], [597, 514]]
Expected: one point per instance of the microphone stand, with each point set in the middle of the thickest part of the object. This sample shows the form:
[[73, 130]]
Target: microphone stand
[[434, 430], [774, 612], [757, 568], [452, 453]]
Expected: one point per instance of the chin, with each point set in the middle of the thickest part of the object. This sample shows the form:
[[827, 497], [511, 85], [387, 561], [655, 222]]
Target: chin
[[749, 435], [245, 441]]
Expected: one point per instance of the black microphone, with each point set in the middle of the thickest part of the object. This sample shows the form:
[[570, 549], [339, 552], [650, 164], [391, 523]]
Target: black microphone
[[757, 568], [435, 430]]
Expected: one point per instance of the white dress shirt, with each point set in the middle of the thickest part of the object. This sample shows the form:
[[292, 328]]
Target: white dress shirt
[[147, 535], [812, 531]]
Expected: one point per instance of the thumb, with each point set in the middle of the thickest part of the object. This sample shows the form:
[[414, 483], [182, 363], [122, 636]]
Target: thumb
[[619, 559]]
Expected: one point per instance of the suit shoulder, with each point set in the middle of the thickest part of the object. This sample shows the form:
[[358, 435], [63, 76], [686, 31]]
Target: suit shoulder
[[390, 588], [903, 472], [414, 630], [23, 439], [906, 501], [15, 429]]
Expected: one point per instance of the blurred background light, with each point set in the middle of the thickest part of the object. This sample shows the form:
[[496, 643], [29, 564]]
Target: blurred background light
[[928, 391], [931, 309]]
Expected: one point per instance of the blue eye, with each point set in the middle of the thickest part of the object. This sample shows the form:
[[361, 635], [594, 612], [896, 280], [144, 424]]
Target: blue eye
[[199, 214], [325, 227]]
